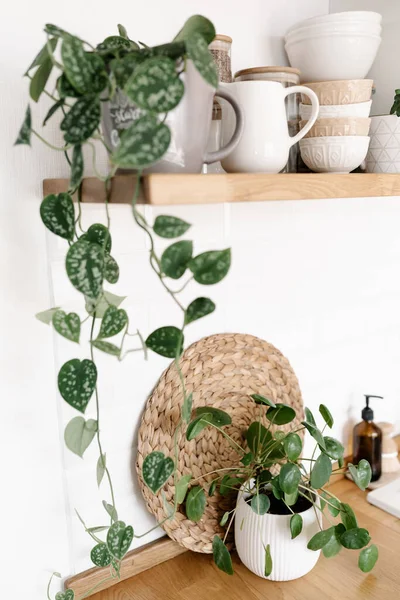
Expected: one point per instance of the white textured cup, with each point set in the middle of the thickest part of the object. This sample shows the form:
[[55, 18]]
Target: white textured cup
[[291, 559]]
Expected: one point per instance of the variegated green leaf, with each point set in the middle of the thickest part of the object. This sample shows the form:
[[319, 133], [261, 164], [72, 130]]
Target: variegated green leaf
[[155, 86], [175, 258], [210, 267], [113, 322], [69, 326], [40, 78], [197, 24], [170, 227], [142, 144], [65, 89], [82, 119], [85, 71], [76, 167], [198, 52], [24, 135], [99, 306], [111, 269], [107, 347], [122, 68], [79, 433], [57, 213], [67, 595], [51, 29], [167, 341], [85, 266], [98, 234], [199, 308], [100, 555], [114, 43], [119, 539], [156, 470], [77, 381]]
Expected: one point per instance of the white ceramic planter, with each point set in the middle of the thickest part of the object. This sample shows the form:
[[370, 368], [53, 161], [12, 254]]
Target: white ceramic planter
[[291, 559], [384, 148]]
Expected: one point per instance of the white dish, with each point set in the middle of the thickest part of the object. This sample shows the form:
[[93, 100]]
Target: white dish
[[334, 27], [352, 15], [359, 109], [335, 154], [334, 56]]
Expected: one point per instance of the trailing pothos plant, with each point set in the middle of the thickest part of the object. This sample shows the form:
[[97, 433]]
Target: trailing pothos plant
[[85, 77], [292, 490]]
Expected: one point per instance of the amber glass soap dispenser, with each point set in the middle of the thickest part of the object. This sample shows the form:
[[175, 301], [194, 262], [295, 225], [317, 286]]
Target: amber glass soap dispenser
[[367, 441]]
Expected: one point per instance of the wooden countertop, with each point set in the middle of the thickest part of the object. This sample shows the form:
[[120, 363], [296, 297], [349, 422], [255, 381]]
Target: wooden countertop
[[193, 576]]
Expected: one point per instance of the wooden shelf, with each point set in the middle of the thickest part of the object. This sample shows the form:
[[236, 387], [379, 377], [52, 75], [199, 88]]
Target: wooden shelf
[[169, 189]]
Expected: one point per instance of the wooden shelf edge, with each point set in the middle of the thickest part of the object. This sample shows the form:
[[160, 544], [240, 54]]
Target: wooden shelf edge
[[94, 580], [173, 189]]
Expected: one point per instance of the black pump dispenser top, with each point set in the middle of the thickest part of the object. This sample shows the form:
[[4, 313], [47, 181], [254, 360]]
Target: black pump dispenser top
[[367, 412]]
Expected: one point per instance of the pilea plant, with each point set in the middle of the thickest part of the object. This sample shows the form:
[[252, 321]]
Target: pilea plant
[[284, 492], [87, 76]]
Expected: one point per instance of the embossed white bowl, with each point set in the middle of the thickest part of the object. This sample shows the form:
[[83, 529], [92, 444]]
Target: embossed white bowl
[[291, 559], [358, 109], [344, 17], [334, 154]]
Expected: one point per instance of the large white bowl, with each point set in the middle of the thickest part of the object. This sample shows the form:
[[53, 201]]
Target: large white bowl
[[349, 16], [334, 154], [359, 109], [362, 27], [334, 56]]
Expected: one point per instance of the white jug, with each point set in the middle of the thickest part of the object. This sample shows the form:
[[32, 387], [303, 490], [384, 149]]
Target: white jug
[[265, 143]]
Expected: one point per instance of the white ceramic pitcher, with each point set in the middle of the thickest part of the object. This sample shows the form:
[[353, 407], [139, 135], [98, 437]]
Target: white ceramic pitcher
[[265, 143]]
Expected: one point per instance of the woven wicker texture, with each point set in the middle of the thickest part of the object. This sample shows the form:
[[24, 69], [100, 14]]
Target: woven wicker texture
[[221, 371]]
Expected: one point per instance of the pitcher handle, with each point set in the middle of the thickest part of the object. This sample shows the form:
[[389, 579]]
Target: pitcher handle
[[217, 155], [301, 89]]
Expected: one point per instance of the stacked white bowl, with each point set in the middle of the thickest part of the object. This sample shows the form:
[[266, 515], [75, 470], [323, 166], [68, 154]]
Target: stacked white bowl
[[334, 53]]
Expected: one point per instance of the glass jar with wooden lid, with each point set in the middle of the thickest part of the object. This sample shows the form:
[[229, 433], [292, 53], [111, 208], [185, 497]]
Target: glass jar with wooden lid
[[287, 76]]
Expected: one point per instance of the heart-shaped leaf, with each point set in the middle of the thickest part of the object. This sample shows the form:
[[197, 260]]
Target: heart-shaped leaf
[[46, 316], [268, 561], [258, 399], [334, 546], [58, 215], [111, 269], [333, 448], [320, 539], [99, 306], [321, 471], [167, 341], [100, 555], [182, 487], [187, 408], [326, 415], [107, 347], [82, 119], [113, 322], [155, 86], [368, 558], [257, 437], [67, 595], [281, 414], [100, 468], [170, 227], [99, 234], [201, 307], [142, 144], [356, 538], [119, 539], [84, 265], [77, 381], [156, 470], [289, 478], [221, 556], [79, 433], [361, 474], [198, 52], [111, 510], [197, 24], [293, 446], [69, 326], [296, 525], [210, 267], [24, 135], [348, 517], [77, 167], [260, 504], [195, 503], [175, 259]]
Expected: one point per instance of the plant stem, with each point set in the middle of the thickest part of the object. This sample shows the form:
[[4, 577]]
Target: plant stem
[[63, 149]]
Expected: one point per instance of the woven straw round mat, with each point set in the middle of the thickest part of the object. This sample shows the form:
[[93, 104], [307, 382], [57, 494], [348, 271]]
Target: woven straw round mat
[[221, 371]]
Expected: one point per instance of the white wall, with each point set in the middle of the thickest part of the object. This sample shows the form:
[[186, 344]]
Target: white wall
[[386, 69]]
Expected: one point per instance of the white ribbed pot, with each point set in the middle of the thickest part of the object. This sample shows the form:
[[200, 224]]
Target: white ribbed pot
[[291, 559]]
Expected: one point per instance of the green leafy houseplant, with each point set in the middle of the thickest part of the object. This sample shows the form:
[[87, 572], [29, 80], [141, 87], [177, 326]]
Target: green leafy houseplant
[[87, 76], [289, 490], [395, 110]]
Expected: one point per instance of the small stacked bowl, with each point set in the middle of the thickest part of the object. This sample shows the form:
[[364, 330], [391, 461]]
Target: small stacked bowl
[[335, 46], [338, 142]]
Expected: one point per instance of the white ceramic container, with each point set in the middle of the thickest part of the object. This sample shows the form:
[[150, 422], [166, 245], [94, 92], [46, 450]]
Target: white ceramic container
[[334, 154], [334, 56], [291, 559], [265, 143], [363, 27], [384, 149], [359, 109], [348, 16]]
